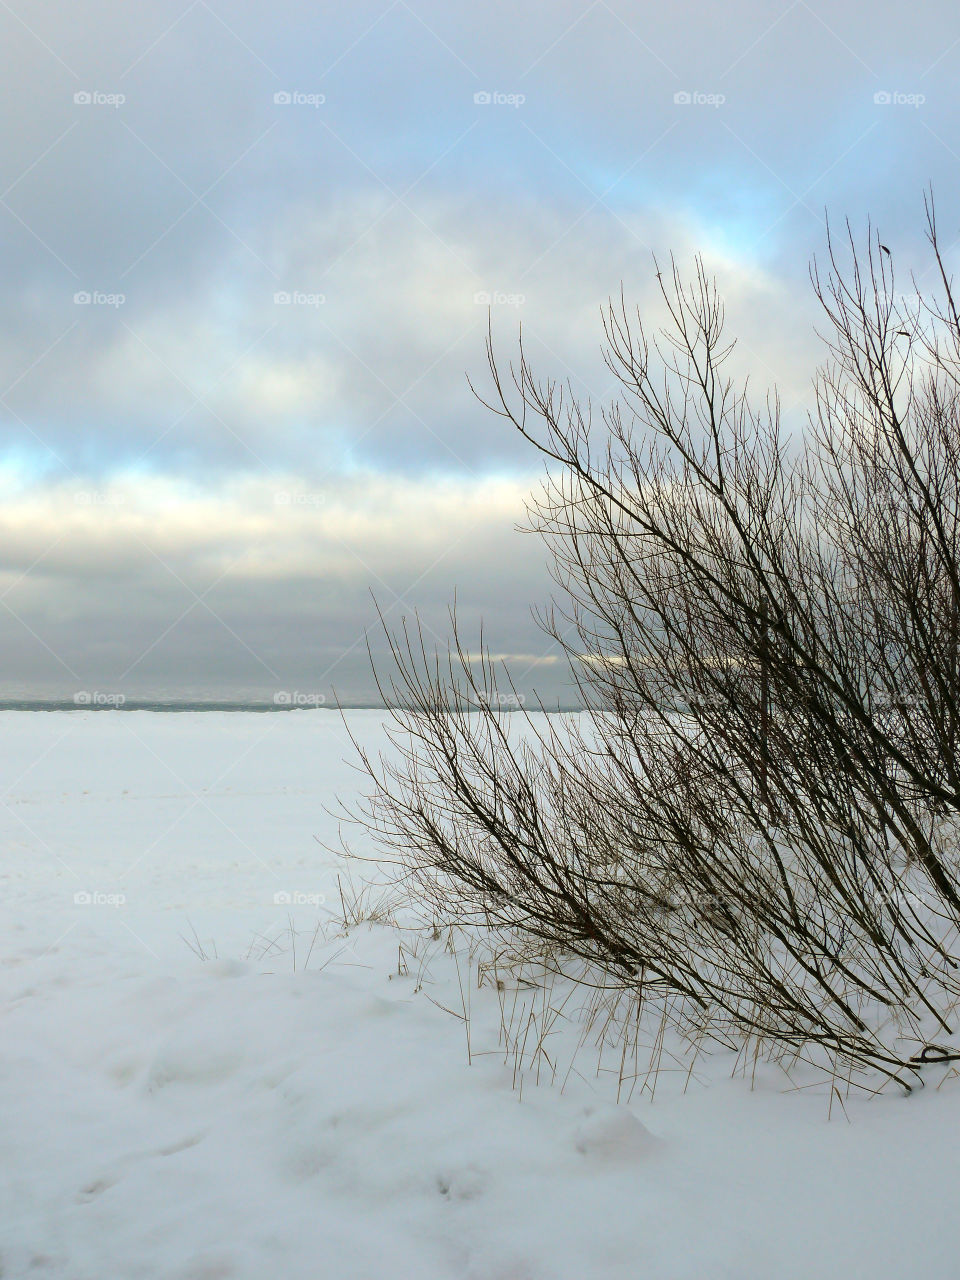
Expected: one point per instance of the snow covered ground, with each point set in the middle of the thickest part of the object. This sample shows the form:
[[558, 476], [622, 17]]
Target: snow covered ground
[[188, 1091]]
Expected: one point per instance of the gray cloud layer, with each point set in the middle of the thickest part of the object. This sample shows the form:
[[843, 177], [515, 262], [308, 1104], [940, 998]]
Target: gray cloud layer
[[303, 287]]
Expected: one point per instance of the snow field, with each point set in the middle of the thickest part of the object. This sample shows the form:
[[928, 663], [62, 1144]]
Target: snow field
[[189, 1092]]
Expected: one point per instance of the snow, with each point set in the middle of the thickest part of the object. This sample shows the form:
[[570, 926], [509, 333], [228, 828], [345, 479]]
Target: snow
[[189, 1092]]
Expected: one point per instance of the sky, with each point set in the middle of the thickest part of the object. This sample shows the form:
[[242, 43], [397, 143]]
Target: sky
[[249, 253]]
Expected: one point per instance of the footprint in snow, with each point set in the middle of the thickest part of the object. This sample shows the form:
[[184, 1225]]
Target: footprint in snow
[[97, 1186], [613, 1133], [462, 1184]]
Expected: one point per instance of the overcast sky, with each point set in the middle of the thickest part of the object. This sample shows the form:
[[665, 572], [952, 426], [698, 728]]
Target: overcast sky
[[246, 255]]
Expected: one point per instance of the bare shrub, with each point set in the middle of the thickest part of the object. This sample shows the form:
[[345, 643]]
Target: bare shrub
[[757, 814]]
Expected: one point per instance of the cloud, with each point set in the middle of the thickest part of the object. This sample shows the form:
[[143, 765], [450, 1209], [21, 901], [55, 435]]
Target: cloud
[[213, 295], [254, 585], [363, 358]]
